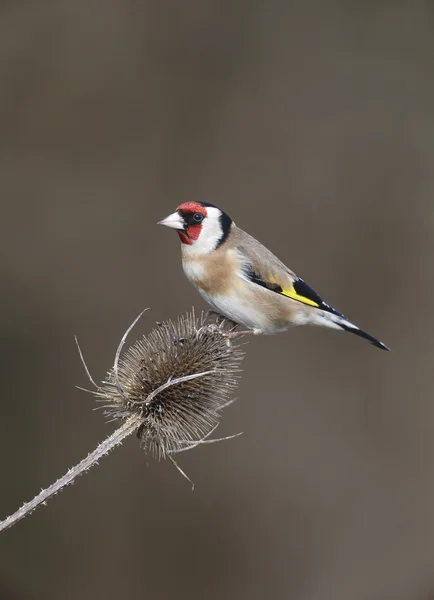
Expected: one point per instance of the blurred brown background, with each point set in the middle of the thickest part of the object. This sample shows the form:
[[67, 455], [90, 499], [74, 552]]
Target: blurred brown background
[[312, 124]]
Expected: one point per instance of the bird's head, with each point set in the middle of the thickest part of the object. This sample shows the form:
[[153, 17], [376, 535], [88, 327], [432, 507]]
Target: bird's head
[[200, 225]]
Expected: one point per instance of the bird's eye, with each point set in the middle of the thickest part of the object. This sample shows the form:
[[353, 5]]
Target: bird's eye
[[198, 217]]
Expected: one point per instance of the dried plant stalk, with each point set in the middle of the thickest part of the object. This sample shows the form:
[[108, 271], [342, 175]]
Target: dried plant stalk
[[169, 388]]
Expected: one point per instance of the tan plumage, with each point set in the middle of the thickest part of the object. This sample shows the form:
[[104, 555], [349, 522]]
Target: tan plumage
[[222, 276], [241, 279]]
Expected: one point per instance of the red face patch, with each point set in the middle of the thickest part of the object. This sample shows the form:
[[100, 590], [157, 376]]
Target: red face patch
[[192, 232], [192, 207]]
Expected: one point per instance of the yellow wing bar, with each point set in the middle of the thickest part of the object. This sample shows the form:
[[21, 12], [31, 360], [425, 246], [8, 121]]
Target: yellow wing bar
[[299, 290], [292, 293]]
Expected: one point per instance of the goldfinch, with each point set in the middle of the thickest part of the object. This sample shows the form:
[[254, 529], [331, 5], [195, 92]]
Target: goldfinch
[[242, 280]]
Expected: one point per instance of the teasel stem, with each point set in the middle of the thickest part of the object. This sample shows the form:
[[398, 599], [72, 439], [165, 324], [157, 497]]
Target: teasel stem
[[130, 425], [116, 438], [187, 408]]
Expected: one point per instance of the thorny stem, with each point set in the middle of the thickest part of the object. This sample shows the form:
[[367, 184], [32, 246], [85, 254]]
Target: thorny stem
[[129, 427]]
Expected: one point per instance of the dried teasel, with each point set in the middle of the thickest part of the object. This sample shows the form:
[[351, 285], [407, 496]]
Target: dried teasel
[[177, 379], [169, 387]]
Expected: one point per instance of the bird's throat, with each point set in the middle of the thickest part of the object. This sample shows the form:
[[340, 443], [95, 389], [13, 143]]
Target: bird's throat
[[184, 238], [190, 234]]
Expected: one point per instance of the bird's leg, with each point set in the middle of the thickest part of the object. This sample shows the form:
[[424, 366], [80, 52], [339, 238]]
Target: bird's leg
[[218, 323], [217, 317], [236, 334], [219, 320]]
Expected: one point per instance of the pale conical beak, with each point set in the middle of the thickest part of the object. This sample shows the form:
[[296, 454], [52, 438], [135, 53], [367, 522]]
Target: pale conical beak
[[174, 220]]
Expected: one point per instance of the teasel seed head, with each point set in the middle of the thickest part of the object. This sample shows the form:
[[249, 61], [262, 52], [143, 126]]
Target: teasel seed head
[[177, 380], [170, 387]]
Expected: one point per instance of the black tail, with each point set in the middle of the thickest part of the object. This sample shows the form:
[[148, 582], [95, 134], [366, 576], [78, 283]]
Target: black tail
[[364, 335]]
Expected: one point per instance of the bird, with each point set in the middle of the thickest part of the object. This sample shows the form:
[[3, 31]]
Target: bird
[[244, 281]]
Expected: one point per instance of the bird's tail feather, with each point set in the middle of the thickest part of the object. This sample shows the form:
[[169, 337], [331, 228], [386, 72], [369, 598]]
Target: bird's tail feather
[[353, 329], [338, 321]]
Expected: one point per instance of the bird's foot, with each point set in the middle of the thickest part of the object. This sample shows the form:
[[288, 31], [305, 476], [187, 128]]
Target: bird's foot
[[236, 334], [215, 321], [216, 318], [226, 326], [218, 321]]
